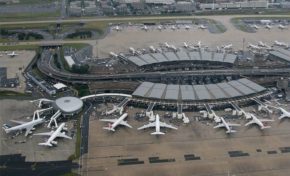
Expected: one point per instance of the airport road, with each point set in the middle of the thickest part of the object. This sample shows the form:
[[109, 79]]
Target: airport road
[[212, 146]]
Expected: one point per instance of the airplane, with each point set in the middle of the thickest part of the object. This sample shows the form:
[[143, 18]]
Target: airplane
[[198, 44], [262, 44], [117, 28], [152, 49], [173, 28], [157, 124], [268, 26], [12, 54], [202, 27], [159, 27], [253, 46], [226, 125], [53, 134], [284, 113], [281, 44], [255, 26], [132, 50], [28, 126], [259, 122], [145, 28], [187, 27], [113, 54], [229, 46], [282, 27], [113, 123], [185, 45], [170, 46]]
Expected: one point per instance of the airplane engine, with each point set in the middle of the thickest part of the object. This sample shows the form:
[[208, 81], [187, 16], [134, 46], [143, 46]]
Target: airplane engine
[[54, 142], [65, 128], [32, 129], [30, 132]]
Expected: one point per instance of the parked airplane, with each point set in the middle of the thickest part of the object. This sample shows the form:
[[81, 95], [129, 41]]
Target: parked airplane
[[229, 46], [170, 46], [145, 28], [198, 44], [28, 126], [255, 26], [202, 27], [259, 122], [173, 28], [113, 123], [254, 46], [152, 49], [187, 27], [268, 26], [12, 54], [53, 134], [284, 113], [185, 45], [226, 125], [117, 28], [281, 44], [157, 124], [159, 27], [282, 27]]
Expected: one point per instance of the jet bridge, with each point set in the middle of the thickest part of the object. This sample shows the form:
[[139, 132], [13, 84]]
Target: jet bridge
[[209, 111], [149, 110], [179, 111], [262, 105], [120, 107], [240, 111]]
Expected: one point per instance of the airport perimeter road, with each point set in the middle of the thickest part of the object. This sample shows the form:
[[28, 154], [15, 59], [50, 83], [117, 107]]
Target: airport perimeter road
[[120, 19]]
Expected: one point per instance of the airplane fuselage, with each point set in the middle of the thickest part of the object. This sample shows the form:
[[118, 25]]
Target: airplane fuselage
[[25, 125]]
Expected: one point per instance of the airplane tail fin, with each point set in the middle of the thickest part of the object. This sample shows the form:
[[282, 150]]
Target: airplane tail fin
[[265, 127], [45, 144], [108, 128], [157, 133]]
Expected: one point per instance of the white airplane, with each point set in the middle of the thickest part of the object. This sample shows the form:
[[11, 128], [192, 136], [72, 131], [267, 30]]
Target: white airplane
[[113, 123], [187, 27], [152, 49], [117, 28], [229, 46], [12, 54], [145, 28], [202, 27], [185, 45], [113, 54], [173, 28], [284, 113], [255, 26], [159, 27], [282, 27], [170, 46], [132, 50], [28, 126], [53, 134], [268, 26], [198, 44], [226, 125], [259, 122], [157, 124], [281, 44], [254, 46]]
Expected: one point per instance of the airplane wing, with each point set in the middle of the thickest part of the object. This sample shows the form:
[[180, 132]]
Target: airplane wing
[[266, 120], [62, 135], [44, 134], [125, 124], [149, 125], [219, 125], [233, 124], [250, 122], [18, 122], [162, 124], [28, 129], [109, 120]]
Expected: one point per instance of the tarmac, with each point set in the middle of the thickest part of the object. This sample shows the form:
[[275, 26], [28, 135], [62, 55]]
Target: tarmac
[[194, 149]]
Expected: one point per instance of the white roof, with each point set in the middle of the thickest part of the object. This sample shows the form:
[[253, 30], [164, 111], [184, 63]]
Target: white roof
[[69, 60], [59, 86]]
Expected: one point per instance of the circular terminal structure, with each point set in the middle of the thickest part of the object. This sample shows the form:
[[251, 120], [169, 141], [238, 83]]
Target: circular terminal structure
[[68, 105]]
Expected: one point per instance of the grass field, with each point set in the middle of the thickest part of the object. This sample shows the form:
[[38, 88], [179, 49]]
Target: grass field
[[18, 47], [28, 16]]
